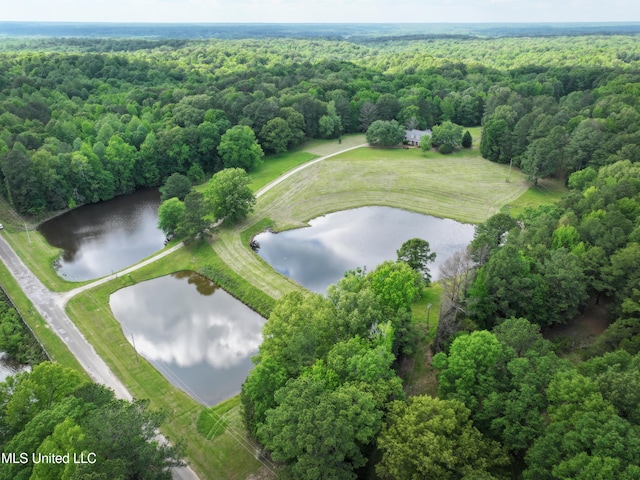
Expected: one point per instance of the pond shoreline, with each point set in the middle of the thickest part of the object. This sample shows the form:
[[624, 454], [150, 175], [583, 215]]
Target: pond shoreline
[[97, 239], [318, 255]]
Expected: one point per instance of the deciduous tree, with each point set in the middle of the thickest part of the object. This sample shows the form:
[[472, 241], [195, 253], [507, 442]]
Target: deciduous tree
[[386, 134], [319, 432], [229, 195], [195, 219], [469, 371], [239, 148], [170, 214], [276, 135], [432, 438], [177, 185], [425, 144], [397, 285], [447, 134], [330, 125]]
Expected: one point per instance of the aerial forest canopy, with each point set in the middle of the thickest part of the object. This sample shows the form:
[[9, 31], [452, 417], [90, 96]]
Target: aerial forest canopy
[[78, 126]]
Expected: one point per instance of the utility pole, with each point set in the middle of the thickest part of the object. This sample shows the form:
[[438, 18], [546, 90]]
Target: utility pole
[[134, 348]]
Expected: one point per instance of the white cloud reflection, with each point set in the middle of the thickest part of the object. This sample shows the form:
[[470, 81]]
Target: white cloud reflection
[[170, 322], [318, 256]]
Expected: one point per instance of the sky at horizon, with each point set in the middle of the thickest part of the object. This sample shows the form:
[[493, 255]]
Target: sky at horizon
[[321, 11]]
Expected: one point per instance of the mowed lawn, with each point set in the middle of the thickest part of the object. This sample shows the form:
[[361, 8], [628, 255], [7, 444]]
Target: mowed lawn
[[461, 186]]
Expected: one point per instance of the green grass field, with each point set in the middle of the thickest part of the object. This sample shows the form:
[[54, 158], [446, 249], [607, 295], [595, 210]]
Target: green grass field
[[459, 186], [275, 165], [548, 191]]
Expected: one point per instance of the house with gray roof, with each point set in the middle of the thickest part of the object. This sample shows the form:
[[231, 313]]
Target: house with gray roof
[[412, 137]]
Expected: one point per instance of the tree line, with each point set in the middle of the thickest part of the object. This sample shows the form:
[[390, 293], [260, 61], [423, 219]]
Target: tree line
[[545, 264], [83, 127], [15, 338]]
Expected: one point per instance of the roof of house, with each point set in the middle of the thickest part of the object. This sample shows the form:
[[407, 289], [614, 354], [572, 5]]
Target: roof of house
[[416, 135]]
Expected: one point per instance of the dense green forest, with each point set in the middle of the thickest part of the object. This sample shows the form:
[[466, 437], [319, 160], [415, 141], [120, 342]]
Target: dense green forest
[[325, 399], [80, 128], [15, 338]]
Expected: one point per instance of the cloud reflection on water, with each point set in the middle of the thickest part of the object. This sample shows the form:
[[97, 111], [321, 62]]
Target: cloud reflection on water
[[318, 256], [170, 321]]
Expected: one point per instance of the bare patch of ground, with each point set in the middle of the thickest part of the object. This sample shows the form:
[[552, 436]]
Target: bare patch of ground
[[418, 375]]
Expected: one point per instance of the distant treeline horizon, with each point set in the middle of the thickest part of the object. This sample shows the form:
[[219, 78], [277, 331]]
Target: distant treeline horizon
[[351, 31]]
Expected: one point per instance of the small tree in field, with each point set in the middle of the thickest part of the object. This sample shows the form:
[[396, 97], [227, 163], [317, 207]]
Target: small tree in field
[[467, 140], [425, 144]]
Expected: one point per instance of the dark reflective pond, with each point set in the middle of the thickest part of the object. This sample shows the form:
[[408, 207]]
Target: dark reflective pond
[[102, 238], [199, 337], [318, 256]]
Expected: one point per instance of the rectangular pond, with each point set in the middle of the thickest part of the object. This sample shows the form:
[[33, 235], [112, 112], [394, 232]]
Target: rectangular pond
[[196, 334]]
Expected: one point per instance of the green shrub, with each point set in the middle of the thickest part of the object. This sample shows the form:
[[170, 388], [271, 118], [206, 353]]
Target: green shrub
[[446, 148]]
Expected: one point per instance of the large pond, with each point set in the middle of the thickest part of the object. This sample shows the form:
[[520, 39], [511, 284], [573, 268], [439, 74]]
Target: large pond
[[200, 337], [318, 256], [102, 238]]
